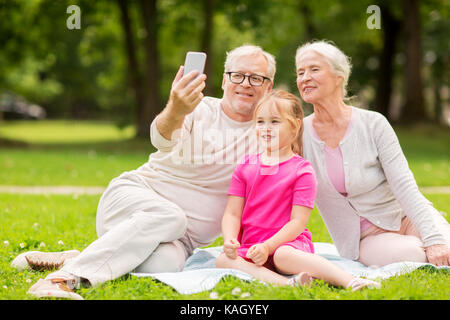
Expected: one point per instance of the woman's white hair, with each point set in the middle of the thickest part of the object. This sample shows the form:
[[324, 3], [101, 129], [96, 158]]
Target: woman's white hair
[[339, 62], [250, 50]]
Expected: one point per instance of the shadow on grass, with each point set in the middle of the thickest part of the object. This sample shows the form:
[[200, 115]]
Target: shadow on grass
[[8, 143], [133, 145]]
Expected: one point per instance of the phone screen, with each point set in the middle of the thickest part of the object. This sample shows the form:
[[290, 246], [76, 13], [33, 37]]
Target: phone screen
[[194, 61]]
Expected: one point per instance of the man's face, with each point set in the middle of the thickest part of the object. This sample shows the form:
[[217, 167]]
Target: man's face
[[239, 100]]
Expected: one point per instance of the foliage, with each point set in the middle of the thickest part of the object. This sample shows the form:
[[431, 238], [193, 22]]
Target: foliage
[[84, 73]]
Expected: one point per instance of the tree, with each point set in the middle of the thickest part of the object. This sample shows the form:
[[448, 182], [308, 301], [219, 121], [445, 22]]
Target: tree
[[436, 54], [390, 27], [414, 107], [146, 85], [306, 14], [206, 42], [134, 75], [152, 67]]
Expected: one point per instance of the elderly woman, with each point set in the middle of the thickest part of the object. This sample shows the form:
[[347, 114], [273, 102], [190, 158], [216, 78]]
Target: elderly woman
[[366, 195]]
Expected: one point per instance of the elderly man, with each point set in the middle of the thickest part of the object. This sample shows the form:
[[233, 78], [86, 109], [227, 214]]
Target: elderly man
[[152, 218]]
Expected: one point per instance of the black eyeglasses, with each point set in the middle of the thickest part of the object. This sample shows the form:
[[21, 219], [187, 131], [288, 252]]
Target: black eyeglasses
[[255, 80]]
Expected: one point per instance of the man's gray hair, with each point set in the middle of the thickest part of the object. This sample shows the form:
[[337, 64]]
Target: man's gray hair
[[249, 50], [339, 62]]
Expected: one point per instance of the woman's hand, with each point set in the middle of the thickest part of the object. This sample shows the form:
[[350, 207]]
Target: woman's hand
[[258, 253], [439, 255], [230, 248]]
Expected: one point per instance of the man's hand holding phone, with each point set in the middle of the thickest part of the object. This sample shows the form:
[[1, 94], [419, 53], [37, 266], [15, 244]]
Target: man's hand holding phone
[[187, 87], [186, 92]]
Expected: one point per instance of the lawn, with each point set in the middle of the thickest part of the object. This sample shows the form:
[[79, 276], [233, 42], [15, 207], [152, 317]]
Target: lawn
[[68, 153], [64, 131], [56, 222], [94, 154]]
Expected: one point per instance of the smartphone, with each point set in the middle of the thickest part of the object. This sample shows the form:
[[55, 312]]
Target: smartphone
[[194, 61]]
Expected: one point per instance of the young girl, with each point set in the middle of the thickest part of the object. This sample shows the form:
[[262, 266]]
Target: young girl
[[270, 199]]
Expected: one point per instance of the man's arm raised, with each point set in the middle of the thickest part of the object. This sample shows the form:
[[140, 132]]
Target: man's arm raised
[[185, 95]]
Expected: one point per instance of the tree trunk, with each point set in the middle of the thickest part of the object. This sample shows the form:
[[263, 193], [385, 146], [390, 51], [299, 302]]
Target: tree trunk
[[152, 103], [390, 29], [414, 108], [437, 103], [438, 70], [306, 14], [208, 15], [310, 34], [438, 81], [134, 76]]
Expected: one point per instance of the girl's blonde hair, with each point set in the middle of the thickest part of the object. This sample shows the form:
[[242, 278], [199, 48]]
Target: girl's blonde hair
[[290, 107]]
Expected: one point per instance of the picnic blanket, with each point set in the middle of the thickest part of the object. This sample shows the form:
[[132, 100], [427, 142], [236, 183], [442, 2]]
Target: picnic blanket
[[200, 272]]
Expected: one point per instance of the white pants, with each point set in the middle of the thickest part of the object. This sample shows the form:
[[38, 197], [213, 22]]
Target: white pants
[[137, 230], [379, 247]]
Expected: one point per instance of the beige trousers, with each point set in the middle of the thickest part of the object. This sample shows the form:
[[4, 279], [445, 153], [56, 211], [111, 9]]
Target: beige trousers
[[137, 230], [379, 247]]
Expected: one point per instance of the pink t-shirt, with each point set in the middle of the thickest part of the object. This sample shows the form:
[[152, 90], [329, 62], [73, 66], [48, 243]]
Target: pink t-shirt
[[270, 192]]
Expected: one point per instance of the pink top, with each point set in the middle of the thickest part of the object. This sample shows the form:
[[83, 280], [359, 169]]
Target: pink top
[[335, 169], [270, 192]]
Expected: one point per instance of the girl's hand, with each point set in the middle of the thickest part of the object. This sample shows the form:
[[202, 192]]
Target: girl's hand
[[230, 248], [258, 253]]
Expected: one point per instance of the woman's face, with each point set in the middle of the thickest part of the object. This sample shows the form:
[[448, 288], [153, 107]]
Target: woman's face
[[316, 81]]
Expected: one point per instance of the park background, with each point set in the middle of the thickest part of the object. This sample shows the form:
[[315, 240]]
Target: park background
[[76, 105]]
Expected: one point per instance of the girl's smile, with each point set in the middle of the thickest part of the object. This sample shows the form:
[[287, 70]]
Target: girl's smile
[[273, 130]]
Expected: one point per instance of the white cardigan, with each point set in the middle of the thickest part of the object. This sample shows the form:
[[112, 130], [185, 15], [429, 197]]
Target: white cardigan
[[194, 170], [379, 183]]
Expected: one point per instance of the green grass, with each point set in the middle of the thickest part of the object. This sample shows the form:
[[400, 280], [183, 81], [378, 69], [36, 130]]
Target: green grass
[[63, 131], [89, 166], [68, 153], [427, 149], [92, 153], [54, 223]]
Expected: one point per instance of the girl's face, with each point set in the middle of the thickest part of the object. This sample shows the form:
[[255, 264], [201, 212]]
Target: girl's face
[[273, 130], [315, 78]]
